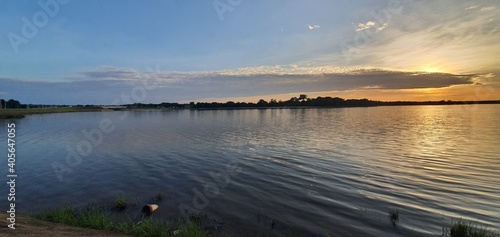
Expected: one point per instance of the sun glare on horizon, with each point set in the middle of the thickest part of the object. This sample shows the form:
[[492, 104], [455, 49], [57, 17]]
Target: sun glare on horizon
[[432, 68]]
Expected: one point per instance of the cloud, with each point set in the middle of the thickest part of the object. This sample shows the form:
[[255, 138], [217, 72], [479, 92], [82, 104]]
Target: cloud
[[382, 27], [365, 26], [108, 73], [456, 41], [313, 27], [89, 88], [487, 9], [126, 76], [371, 24], [472, 7]]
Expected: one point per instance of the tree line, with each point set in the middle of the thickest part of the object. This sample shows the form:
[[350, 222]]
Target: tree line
[[11, 104], [14, 104], [301, 101]]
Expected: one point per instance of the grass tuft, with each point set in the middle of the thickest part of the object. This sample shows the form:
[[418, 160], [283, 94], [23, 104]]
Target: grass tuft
[[461, 228], [121, 203], [64, 214], [394, 216], [147, 228], [191, 229], [96, 217], [93, 217], [151, 228]]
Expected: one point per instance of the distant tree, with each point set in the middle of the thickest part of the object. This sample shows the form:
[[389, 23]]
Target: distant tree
[[294, 101], [2, 104], [13, 104], [273, 102], [261, 103], [302, 97]]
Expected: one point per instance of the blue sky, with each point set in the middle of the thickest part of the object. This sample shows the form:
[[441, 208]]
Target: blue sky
[[95, 51]]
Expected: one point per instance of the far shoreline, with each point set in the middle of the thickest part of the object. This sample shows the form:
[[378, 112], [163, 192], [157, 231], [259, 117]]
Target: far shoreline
[[19, 113]]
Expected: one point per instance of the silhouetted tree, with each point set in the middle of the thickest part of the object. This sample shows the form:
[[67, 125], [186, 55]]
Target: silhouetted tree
[[13, 104], [273, 102], [302, 97], [261, 103]]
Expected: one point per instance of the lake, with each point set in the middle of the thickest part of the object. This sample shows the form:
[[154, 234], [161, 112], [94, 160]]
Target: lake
[[310, 172]]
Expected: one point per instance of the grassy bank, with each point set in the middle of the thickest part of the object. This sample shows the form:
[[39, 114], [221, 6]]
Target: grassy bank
[[461, 228], [21, 113], [100, 218]]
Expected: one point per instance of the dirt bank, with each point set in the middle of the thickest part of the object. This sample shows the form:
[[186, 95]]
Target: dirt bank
[[27, 226]]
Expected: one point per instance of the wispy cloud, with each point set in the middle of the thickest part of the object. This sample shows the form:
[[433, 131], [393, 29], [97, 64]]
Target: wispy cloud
[[487, 9], [364, 26], [382, 27], [465, 41], [313, 27], [257, 81], [126, 75], [371, 24]]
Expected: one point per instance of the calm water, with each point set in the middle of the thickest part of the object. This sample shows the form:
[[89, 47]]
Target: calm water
[[310, 171]]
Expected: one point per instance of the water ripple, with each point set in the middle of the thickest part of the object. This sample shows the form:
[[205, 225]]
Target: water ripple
[[314, 171]]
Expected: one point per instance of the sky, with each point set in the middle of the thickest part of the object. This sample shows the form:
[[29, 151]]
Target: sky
[[124, 51]]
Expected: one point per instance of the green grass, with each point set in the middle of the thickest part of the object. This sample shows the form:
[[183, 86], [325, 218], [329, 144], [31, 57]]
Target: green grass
[[191, 229], [21, 113], [11, 116], [121, 203], [96, 217], [64, 214], [93, 217], [151, 228], [461, 228], [145, 228], [100, 218]]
